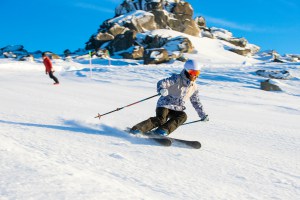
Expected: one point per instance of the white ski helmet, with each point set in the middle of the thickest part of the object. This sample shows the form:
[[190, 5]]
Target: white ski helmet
[[192, 65]]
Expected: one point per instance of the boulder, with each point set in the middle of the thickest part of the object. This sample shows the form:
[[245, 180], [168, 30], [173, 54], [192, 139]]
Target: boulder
[[154, 5], [103, 37], [155, 41], [116, 29], [278, 60], [9, 55], [183, 9], [269, 86], [141, 23], [283, 74], [181, 44], [254, 48], [240, 42], [183, 21], [13, 51], [242, 52], [95, 42], [122, 42], [156, 56], [28, 58], [102, 53], [177, 56], [292, 57], [161, 19], [206, 33], [200, 21], [186, 26], [268, 55], [182, 58], [221, 33], [125, 7], [135, 52], [67, 52], [13, 48], [55, 56], [52, 55], [190, 28]]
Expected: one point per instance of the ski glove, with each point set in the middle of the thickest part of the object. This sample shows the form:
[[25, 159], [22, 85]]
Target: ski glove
[[205, 119], [163, 92]]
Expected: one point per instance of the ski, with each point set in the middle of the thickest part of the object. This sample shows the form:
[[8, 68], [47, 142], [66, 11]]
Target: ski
[[193, 144], [168, 141], [160, 140]]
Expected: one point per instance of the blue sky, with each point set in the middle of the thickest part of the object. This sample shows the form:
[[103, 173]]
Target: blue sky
[[58, 25]]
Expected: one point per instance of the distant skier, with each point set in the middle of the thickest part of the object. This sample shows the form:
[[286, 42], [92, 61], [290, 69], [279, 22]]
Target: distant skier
[[49, 69], [175, 91]]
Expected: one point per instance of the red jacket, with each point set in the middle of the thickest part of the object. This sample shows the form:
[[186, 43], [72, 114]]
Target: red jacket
[[48, 64]]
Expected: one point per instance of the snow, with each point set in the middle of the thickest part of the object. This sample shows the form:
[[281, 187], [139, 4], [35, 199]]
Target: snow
[[52, 147], [156, 55], [137, 14], [207, 50]]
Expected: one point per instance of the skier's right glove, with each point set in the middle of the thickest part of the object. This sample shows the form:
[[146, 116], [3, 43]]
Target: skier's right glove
[[163, 92], [205, 119]]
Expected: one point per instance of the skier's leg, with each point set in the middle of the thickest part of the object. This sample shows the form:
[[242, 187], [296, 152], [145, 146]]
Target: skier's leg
[[176, 119], [53, 77], [153, 122]]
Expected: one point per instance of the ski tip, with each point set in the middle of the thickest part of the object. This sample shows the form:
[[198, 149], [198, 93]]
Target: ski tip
[[187, 143], [197, 145]]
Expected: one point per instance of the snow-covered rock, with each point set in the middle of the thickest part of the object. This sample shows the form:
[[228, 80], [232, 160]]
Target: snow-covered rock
[[282, 74]]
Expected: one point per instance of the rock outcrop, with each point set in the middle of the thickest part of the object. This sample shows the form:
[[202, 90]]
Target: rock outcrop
[[139, 16]]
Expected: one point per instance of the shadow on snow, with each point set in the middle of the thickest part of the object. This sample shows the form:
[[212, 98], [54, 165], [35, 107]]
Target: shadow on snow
[[73, 126]]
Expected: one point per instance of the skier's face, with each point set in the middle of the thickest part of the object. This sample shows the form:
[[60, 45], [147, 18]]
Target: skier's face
[[193, 74]]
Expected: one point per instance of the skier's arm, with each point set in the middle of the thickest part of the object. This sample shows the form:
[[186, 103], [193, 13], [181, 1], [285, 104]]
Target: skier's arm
[[195, 100], [167, 82]]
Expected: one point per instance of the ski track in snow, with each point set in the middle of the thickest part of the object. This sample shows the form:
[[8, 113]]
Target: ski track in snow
[[52, 147]]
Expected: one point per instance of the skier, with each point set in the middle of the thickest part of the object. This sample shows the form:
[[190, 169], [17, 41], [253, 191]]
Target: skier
[[49, 69], [175, 91]]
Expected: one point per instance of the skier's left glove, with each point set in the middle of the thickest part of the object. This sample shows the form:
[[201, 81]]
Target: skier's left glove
[[163, 92], [205, 119]]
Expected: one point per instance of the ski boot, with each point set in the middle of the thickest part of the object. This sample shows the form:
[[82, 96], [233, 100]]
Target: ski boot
[[161, 132], [135, 131]]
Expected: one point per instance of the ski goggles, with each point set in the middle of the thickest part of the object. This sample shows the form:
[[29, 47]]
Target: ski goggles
[[194, 72]]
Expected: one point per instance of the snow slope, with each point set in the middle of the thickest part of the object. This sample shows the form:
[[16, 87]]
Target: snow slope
[[52, 147], [208, 50]]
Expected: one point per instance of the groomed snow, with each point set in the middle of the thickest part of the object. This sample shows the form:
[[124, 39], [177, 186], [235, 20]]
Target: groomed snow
[[52, 147]]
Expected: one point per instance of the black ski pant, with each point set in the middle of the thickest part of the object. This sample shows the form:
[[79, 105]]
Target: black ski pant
[[165, 119], [53, 77]]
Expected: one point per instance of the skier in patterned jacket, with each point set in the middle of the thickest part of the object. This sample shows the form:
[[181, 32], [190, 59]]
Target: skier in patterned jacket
[[175, 91]]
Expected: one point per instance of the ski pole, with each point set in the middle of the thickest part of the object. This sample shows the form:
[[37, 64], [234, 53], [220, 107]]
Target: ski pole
[[99, 115], [191, 122]]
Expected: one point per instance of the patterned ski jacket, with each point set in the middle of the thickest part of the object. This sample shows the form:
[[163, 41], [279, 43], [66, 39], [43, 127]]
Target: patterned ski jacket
[[180, 89]]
